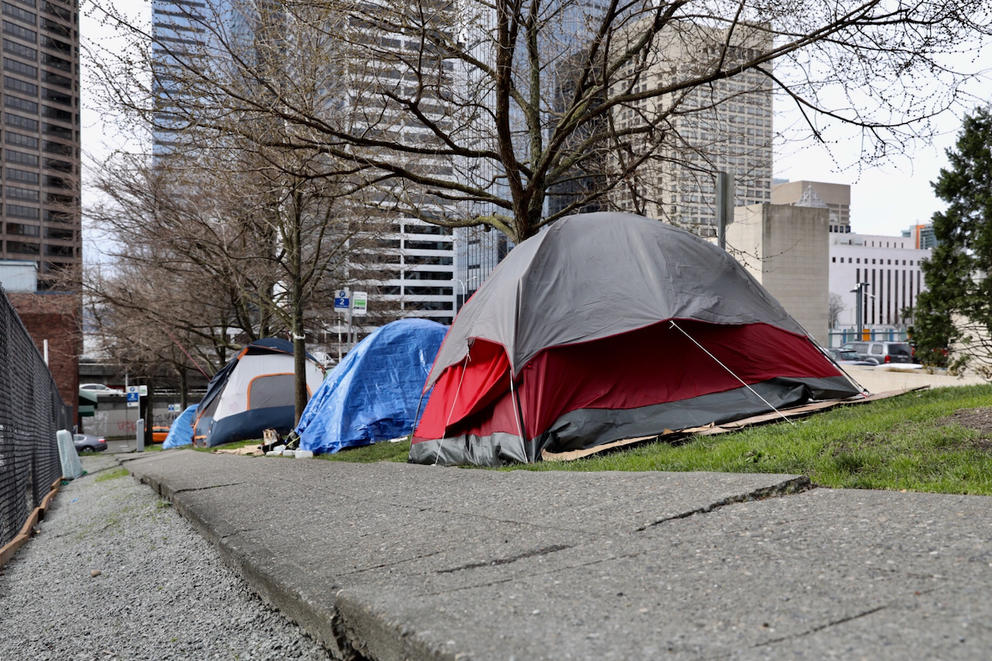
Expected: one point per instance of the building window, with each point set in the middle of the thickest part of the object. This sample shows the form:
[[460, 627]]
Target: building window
[[26, 194], [16, 85], [23, 176], [20, 68], [23, 230], [20, 157], [20, 50], [15, 30], [20, 104], [21, 140], [23, 248], [21, 211]]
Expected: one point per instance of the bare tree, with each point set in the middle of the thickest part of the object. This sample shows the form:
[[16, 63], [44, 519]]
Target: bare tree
[[231, 192], [834, 308], [452, 106]]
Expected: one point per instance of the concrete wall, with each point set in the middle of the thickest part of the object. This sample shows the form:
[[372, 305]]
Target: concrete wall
[[786, 249]]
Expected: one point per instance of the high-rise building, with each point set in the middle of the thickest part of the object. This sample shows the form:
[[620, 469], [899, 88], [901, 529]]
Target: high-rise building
[[922, 235], [405, 265], [41, 208], [723, 126], [835, 198]]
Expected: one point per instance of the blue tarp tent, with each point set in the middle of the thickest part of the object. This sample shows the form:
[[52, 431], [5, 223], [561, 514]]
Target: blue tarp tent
[[374, 393], [181, 431]]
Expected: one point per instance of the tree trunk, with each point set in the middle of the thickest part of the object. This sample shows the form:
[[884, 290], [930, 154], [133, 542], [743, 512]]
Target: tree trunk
[[183, 387], [300, 370]]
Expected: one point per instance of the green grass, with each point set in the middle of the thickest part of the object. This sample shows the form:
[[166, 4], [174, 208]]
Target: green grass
[[112, 475], [371, 453], [901, 443]]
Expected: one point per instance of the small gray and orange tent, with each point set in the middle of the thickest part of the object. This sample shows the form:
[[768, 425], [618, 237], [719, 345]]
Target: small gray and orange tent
[[610, 326]]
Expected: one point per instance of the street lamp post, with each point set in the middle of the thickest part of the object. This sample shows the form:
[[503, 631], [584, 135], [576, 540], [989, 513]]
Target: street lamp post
[[859, 308]]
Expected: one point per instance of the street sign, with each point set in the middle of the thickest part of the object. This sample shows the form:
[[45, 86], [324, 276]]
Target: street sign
[[341, 300], [359, 303], [143, 391], [132, 396]]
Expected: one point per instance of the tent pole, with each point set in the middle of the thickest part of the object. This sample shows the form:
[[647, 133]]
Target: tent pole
[[451, 411], [517, 412], [784, 417]]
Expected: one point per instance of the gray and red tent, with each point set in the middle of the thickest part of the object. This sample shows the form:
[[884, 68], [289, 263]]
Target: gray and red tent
[[610, 326]]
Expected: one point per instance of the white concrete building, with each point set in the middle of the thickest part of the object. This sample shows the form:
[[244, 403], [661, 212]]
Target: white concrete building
[[890, 265]]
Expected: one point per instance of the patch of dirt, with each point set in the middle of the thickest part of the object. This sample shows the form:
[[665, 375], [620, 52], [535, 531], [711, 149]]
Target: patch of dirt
[[979, 419]]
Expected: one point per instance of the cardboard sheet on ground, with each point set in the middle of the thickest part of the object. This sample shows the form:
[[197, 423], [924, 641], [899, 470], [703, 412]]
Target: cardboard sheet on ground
[[712, 430]]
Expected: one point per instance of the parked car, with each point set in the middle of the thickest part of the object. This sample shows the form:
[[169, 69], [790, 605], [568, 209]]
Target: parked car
[[100, 389], [848, 357], [879, 353], [159, 432], [89, 443]]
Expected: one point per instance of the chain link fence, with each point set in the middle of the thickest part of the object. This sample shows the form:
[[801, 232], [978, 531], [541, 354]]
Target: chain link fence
[[31, 411]]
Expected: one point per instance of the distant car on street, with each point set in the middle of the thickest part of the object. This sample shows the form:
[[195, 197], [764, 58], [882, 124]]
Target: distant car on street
[[882, 352], [89, 443], [847, 357], [99, 389]]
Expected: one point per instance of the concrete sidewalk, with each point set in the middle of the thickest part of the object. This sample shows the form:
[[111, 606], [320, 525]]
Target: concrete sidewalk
[[394, 561]]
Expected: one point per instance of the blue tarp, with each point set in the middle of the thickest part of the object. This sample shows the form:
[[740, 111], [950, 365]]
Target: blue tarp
[[181, 431], [374, 393]]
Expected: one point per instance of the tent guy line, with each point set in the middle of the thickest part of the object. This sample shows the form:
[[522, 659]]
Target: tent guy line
[[731, 372]]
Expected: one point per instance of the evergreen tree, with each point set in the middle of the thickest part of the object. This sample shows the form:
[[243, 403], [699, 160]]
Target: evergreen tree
[[956, 309]]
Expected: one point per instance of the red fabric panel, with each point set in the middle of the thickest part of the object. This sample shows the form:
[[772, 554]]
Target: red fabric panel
[[651, 365], [660, 364], [464, 390]]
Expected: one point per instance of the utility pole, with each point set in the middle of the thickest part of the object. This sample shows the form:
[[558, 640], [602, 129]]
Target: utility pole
[[724, 207]]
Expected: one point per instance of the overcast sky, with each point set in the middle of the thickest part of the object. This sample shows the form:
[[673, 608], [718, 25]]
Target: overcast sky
[[885, 199]]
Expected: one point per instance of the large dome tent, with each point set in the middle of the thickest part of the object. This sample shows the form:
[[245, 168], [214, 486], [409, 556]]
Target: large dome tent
[[610, 326]]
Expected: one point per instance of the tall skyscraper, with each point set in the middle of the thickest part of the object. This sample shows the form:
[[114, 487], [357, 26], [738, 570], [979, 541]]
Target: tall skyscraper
[[405, 265], [41, 207], [724, 126]]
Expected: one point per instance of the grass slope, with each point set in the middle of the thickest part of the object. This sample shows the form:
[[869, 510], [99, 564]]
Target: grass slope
[[912, 442]]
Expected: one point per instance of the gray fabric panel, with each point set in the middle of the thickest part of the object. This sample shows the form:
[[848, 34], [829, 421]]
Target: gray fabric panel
[[586, 428], [595, 275], [495, 450]]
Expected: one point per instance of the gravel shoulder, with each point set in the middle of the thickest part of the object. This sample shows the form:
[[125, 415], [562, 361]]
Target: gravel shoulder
[[162, 591]]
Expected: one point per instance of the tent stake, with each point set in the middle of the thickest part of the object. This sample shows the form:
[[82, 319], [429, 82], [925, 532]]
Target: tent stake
[[729, 371]]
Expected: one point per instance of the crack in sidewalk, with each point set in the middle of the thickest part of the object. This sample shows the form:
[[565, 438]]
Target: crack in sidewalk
[[212, 486], [826, 625], [505, 561], [789, 487]]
